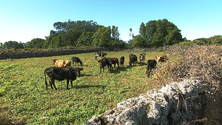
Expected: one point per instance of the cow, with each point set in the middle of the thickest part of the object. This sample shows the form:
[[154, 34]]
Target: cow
[[98, 54], [162, 58], [61, 73], [142, 57], [76, 60], [104, 62], [122, 58], [113, 61], [133, 59], [61, 63], [151, 64]]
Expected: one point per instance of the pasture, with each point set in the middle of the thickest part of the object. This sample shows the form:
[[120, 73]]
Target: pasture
[[25, 100]]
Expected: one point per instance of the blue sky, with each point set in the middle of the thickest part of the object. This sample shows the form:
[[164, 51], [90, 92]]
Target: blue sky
[[23, 20]]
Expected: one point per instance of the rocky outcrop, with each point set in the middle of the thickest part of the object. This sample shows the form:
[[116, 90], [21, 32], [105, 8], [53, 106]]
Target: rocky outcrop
[[175, 103]]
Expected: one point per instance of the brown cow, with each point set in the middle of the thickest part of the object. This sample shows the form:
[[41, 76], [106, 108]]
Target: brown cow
[[162, 58], [61, 63]]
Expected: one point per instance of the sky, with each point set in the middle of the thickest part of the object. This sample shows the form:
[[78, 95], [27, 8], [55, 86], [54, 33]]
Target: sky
[[24, 20]]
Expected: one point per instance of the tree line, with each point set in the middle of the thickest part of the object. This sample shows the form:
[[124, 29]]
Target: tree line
[[154, 33]]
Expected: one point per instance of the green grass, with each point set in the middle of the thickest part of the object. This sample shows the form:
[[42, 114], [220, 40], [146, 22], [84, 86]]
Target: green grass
[[24, 98]]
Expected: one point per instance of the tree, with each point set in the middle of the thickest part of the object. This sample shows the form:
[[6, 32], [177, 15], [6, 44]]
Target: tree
[[159, 33], [139, 42], [35, 43], [12, 44], [102, 37], [85, 39], [115, 36], [131, 34], [150, 29], [142, 30]]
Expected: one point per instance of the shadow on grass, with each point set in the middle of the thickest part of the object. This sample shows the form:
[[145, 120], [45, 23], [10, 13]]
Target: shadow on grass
[[119, 69], [88, 86], [141, 63], [81, 75]]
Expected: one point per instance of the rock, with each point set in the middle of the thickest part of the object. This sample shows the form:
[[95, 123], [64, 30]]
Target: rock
[[174, 103]]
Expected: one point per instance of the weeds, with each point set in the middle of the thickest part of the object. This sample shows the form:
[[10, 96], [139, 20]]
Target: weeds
[[196, 62]]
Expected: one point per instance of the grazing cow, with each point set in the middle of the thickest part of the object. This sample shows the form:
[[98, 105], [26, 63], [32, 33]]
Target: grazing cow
[[61, 73], [61, 63], [76, 60], [113, 61], [162, 58], [142, 57], [104, 62], [98, 54], [122, 61], [133, 59], [151, 64]]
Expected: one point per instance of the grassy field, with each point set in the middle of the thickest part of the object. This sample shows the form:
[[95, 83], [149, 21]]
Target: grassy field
[[24, 98]]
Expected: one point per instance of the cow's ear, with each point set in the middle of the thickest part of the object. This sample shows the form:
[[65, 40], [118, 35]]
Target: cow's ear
[[80, 69]]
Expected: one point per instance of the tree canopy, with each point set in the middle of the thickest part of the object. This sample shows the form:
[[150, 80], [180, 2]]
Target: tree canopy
[[158, 33], [154, 33]]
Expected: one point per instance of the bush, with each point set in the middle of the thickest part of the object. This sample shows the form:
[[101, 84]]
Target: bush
[[196, 62]]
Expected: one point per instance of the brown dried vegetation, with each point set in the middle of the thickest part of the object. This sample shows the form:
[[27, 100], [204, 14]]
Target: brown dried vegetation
[[196, 62]]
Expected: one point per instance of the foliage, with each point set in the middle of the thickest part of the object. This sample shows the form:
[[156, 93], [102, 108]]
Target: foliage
[[196, 62], [85, 39], [159, 33], [12, 44], [102, 37], [139, 42], [35, 43]]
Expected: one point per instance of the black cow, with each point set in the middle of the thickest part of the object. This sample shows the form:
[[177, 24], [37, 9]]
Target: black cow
[[133, 59], [76, 60], [151, 64], [98, 54], [104, 62], [142, 57], [122, 61], [61, 73], [113, 61]]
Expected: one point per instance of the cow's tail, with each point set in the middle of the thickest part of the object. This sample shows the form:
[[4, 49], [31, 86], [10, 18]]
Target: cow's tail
[[46, 81]]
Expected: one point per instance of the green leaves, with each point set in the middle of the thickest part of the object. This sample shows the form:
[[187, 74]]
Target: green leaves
[[102, 37], [159, 33]]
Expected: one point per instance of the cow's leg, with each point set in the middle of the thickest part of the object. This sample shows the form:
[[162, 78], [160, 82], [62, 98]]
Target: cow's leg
[[51, 82], [67, 84], [71, 83], [95, 57]]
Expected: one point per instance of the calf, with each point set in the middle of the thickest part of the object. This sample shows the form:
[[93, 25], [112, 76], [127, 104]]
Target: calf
[[122, 61], [98, 54], [142, 57], [61, 73], [151, 64], [61, 63], [76, 60], [113, 61], [104, 62], [133, 59]]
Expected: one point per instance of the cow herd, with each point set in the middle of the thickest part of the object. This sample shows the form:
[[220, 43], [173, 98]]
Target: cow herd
[[64, 71]]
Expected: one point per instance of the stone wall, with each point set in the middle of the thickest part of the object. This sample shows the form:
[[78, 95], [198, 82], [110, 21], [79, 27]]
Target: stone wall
[[17, 54], [174, 104]]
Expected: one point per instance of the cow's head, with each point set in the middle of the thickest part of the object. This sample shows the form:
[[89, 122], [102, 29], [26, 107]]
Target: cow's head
[[104, 54], [54, 61], [77, 71]]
